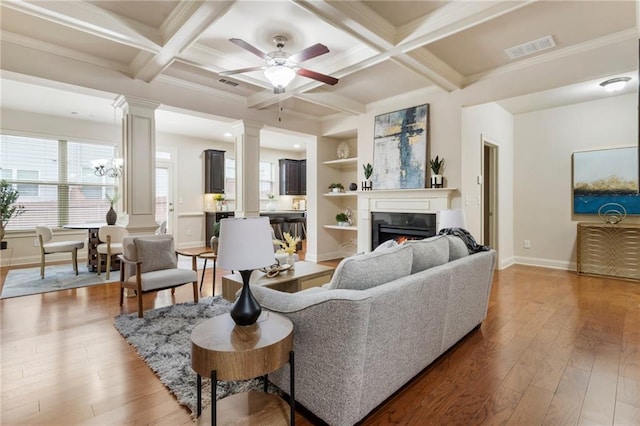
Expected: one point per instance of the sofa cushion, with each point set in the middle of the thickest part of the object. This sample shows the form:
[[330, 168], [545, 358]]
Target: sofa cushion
[[372, 269], [155, 254], [429, 252], [457, 248]]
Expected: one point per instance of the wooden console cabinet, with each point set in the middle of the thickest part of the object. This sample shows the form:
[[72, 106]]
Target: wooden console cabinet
[[609, 249]]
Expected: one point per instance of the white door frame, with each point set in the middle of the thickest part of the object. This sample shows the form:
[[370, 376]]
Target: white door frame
[[168, 165], [489, 194]]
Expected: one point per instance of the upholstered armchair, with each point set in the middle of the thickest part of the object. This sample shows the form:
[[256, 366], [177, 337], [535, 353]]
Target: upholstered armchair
[[150, 263], [45, 235]]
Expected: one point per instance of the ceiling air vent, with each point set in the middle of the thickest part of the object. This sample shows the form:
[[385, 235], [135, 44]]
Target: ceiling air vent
[[530, 47], [228, 82]]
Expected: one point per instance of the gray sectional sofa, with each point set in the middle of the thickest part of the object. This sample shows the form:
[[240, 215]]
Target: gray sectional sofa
[[384, 317]]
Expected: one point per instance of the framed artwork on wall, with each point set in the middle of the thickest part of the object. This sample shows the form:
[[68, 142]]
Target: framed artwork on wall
[[606, 177], [400, 148]]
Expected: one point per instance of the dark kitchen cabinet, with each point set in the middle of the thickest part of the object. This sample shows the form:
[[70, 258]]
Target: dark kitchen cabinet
[[213, 171], [293, 177]]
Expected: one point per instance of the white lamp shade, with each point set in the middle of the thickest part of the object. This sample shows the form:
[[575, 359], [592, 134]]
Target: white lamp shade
[[245, 244], [451, 219], [279, 75]]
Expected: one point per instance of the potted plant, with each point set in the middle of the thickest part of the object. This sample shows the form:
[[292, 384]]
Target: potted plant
[[214, 239], [219, 198], [367, 185], [8, 208], [336, 187], [436, 167], [342, 219]]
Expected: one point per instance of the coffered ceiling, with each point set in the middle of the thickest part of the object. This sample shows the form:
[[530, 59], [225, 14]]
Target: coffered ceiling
[[377, 49]]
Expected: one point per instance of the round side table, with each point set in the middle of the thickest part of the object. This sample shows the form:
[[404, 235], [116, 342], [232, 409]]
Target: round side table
[[224, 351]]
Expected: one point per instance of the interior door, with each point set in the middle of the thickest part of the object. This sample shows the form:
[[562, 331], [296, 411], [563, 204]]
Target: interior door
[[489, 194], [164, 194]]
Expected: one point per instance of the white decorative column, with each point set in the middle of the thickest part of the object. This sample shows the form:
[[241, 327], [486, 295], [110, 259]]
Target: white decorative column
[[247, 152], [139, 152]]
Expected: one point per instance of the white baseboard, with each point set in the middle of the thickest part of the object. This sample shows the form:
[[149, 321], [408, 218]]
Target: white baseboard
[[545, 263], [506, 263]]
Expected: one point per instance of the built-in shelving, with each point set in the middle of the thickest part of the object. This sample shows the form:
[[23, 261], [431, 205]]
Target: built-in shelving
[[341, 194], [341, 228], [345, 163]]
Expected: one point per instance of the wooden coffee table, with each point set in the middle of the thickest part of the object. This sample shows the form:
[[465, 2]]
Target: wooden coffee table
[[303, 276]]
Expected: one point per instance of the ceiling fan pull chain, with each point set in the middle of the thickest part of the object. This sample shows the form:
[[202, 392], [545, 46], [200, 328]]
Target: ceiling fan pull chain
[[280, 109]]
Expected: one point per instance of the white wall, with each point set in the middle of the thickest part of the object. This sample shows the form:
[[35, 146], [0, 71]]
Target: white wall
[[494, 124], [544, 143]]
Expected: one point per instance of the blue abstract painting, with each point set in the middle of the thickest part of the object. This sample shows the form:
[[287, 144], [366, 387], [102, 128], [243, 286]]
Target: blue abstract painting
[[400, 149], [606, 177]]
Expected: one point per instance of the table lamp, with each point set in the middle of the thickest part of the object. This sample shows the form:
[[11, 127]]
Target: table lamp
[[245, 244], [451, 219]]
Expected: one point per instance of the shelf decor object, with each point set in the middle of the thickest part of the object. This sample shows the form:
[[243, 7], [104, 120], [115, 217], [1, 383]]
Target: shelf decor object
[[343, 151], [367, 185], [245, 244], [400, 148]]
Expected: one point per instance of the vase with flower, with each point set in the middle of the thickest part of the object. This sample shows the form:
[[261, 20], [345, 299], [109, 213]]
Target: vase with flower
[[271, 204], [288, 247], [112, 216]]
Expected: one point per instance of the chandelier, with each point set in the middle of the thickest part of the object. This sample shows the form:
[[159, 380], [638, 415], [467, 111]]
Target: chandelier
[[111, 168]]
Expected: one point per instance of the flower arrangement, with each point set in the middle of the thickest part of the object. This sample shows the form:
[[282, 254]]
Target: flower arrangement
[[271, 196], [218, 197], [113, 198], [289, 245]]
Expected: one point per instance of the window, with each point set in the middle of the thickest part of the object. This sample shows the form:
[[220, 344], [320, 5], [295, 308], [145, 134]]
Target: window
[[55, 180], [266, 178]]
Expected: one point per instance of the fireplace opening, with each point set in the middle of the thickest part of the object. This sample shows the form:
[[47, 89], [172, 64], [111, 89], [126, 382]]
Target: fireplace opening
[[401, 226]]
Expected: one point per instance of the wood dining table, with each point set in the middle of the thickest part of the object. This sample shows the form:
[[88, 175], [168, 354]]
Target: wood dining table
[[92, 245]]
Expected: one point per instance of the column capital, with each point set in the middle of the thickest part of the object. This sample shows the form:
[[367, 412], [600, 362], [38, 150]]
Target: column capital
[[132, 104]]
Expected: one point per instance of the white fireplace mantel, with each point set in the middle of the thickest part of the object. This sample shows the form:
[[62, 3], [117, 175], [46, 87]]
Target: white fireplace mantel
[[428, 200]]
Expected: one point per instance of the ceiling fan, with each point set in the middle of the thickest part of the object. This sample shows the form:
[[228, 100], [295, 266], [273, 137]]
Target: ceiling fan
[[281, 67]]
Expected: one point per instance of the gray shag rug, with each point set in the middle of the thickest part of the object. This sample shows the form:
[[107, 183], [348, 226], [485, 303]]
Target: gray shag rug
[[163, 340]]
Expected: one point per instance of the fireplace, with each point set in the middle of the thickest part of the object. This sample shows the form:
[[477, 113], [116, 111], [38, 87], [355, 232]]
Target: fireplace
[[390, 225]]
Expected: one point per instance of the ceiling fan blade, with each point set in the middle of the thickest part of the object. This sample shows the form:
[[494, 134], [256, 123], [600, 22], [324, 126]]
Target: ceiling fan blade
[[317, 76], [240, 71], [310, 52], [250, 48]]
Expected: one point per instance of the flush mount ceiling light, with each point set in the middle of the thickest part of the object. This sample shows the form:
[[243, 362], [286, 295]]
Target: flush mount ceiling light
[[615, 84]]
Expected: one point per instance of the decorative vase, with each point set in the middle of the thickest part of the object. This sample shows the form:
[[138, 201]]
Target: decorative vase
[[112, 216], [271, 206], [291, 261], [214, 244], [437, 181], [353, 186]]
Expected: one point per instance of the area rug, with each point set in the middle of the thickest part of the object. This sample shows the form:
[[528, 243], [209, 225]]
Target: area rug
[[23, 282], [26, 281], [163, 340]]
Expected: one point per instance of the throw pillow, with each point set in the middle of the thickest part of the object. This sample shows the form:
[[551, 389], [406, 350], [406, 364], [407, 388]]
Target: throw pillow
[[156, 254], [372, 269], [457, 248], [386, 245], [429, 252]]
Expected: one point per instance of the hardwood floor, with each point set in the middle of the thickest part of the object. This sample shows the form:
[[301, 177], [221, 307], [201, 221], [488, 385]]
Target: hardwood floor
[[555, 349]]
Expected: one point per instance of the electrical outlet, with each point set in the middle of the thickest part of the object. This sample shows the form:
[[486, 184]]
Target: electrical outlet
[[527, 244]]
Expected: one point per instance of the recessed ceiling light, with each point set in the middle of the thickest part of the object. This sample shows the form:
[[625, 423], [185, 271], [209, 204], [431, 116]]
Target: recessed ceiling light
[[615, 84], [297, 145], [228, 134]]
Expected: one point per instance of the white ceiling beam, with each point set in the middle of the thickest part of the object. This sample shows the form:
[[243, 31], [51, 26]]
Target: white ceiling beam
[[336, 102], [86, 17], [428, 65], [185, 25]]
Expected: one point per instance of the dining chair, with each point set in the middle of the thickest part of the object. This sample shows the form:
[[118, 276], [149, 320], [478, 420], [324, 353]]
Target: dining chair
[[111, 245], [45, 235]]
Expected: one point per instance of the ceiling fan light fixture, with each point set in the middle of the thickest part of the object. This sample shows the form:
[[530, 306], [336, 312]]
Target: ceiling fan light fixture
[[615, 84], [279, 75]]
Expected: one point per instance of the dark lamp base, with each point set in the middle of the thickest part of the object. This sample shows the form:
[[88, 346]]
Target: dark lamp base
[[246, 309]]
